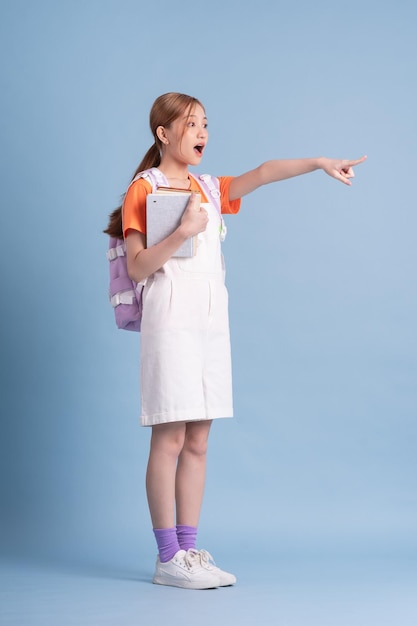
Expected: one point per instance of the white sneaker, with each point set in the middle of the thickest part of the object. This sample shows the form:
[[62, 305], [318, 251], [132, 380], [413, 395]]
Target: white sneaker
[[208, 563], [186, 570]]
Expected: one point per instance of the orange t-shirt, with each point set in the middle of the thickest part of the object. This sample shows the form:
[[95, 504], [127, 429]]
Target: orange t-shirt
[[134, 205]]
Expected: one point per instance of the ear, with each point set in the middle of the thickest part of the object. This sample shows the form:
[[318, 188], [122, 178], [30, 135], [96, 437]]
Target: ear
[[160, 133]]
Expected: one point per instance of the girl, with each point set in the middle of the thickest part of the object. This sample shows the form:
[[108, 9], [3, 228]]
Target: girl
[[185, 348]]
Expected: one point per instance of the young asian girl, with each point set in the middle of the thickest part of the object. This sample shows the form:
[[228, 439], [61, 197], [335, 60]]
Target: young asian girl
[[185, 363]]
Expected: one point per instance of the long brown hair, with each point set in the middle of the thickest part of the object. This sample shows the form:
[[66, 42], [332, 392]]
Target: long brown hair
[[165, 110]]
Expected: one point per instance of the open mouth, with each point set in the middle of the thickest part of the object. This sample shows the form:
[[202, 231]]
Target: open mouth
[[199, 148]]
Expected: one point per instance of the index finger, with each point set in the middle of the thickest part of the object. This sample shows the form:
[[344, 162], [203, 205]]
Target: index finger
[[357, 161]]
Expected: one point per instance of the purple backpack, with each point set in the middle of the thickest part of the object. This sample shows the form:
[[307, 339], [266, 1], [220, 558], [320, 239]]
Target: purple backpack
[[125, 294]]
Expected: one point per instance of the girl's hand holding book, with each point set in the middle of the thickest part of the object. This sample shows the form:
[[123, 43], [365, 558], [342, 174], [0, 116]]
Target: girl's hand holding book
[[195, 218]]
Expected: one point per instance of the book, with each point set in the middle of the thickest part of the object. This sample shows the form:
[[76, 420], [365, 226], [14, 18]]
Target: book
[[164, 210]]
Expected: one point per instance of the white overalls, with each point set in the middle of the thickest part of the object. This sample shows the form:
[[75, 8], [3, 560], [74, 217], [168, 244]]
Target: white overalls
[[185, 369]]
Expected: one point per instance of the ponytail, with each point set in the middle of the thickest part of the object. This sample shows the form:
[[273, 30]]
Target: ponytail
[[151, 159]]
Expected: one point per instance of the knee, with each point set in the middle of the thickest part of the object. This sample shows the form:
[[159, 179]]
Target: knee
[[168, 441], [196, 444]]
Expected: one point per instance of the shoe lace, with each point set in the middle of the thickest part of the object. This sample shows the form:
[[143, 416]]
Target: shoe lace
[[206, 557], [191, 557], [203, 557]]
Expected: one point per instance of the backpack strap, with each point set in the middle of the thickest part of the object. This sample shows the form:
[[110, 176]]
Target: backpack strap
[[154, 176], [210, 185], [117, 250]]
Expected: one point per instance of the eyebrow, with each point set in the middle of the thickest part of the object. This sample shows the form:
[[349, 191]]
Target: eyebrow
[[188, 116]]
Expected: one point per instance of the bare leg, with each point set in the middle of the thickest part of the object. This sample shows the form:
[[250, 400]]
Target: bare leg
[[167, 442], [191, 473]]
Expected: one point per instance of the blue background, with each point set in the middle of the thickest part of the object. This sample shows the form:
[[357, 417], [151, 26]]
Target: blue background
[[321, 458]]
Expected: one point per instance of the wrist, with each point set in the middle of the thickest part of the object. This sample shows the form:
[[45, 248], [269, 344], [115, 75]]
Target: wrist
[[183, 232]]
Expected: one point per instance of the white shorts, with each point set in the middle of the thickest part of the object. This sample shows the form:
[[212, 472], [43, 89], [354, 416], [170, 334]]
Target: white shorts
[[185, 368]]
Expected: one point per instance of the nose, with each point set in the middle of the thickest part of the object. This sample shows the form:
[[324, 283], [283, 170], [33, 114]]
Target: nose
[[202, 131]]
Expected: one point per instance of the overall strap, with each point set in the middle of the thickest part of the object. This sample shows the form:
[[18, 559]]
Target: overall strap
[[210, 185]]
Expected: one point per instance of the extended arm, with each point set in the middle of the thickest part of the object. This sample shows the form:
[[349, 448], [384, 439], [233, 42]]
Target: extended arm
[[273, 171]]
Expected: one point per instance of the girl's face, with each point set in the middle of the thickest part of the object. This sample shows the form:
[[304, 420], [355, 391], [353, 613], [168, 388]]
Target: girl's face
[[186, 138]]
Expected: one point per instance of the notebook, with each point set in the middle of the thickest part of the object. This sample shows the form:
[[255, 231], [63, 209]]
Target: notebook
[[164, 210]]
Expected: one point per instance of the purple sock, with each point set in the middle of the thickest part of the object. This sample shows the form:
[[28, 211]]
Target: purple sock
[[168, 546], [187, 536]]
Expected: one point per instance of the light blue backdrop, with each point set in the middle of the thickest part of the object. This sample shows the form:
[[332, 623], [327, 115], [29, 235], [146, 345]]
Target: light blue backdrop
[[322, 278]]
